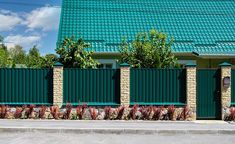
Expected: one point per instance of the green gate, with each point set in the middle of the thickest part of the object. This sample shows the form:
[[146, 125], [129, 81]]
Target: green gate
[[208, 94], [233, 87]]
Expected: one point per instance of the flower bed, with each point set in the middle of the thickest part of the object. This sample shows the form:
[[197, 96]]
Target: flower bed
[[229, 114], [84, 112]]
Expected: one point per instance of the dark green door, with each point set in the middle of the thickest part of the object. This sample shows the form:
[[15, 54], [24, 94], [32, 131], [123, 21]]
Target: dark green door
[[208, 94]]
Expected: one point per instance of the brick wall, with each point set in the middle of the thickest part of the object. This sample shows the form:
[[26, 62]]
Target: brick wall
[[125, 85], [58, 85], [191, 89]]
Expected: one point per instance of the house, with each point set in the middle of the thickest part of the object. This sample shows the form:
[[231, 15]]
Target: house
[[204, 31]]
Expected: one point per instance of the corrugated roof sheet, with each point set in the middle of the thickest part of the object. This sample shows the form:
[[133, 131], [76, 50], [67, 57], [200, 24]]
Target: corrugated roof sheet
[[197, 26]]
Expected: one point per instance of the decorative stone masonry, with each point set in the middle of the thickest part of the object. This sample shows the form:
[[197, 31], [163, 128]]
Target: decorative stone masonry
[[58, 84], [225, 91], [125, 84], [191, 91]]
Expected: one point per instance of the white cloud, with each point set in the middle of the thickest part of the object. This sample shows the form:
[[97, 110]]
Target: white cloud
[[8, 20], [25, 41], [45, 18]]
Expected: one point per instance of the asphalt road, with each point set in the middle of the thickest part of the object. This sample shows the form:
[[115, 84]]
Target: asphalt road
[[63, 138], [115, 132]]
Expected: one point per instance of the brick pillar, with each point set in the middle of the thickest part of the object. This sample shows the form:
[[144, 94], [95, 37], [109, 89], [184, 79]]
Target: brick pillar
[[58, 84], [125, 84], [225, 91], [191, 91]]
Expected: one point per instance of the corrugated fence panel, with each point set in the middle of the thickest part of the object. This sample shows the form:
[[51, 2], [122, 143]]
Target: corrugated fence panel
[[92, 86], [158, 86], [26, 86], [233, 86]]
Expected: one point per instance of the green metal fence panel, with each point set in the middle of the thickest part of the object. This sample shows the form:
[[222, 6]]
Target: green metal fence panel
[[233, 87], [26, 86], [91, 86], [158, 86], [208, 94]]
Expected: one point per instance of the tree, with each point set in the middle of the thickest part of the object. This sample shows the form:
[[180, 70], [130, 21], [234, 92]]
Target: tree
[[1, 39], [18, 55], [149, 51], [49, 60], [5, 60], [73, 53], [2, 43], [33, 59]]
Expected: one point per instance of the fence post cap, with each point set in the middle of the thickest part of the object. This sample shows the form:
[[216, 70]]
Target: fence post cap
[[225, 64], [58, 64], [124, 65], [190, 64]]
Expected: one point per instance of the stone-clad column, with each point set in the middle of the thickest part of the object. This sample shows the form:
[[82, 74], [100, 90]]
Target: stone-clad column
[[191, 91], [125, 84], [58, 84], [225, 90]]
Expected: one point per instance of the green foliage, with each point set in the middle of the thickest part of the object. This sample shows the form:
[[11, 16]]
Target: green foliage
[[5, 60], [149, 51], [33, 59], [72, 53], [1, 39], [18, 55], [49, 60]]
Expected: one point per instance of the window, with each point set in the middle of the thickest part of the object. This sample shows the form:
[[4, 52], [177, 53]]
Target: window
[[107, 63], [105, 66]]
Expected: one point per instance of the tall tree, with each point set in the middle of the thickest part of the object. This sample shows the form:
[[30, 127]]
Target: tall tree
[[73, 53], [2, 43], [151, 50], [18, 55], [34, 59], [5, 60]]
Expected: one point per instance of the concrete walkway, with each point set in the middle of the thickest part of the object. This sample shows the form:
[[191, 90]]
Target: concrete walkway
[[117, 127]]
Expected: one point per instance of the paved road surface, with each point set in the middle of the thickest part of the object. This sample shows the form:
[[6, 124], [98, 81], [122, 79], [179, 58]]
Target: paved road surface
[[114, 132], [55, 138]]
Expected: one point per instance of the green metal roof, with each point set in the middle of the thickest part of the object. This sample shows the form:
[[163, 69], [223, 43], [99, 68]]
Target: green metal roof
[[202, 26]]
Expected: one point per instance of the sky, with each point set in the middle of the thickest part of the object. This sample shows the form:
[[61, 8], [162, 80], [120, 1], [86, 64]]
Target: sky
[[30, 22]]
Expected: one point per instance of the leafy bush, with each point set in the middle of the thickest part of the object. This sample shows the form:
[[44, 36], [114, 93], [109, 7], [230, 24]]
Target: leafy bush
[[19, 111], [72, 53], [81, 110], [133, 111], [55, 112], [3, 111], [108, 111], [231, 116], [184, 114], [29, 112], [68, 110], [42, 112], [170, 112], [93, 113], [151, 50], [120, 111], [146, 112], [157, 112]]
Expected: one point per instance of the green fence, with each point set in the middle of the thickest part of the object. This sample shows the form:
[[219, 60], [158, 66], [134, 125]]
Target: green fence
[[158, 86], [26, 86], [233, 87], [92, 86]]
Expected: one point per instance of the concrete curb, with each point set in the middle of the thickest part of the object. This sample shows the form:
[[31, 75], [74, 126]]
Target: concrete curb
[[118, 131]]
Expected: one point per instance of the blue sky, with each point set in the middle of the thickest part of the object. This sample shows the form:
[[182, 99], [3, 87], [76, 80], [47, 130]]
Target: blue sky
[[30, 22]]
